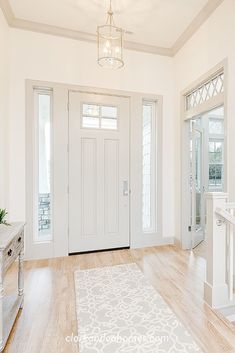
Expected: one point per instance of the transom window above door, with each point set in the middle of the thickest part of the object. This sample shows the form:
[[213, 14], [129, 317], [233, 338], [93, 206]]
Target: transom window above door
[[206, 91], [96, 116]]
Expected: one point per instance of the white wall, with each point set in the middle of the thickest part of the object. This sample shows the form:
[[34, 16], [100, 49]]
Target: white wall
[[3, 111], [49, 58], [44, 57], [212, 43]]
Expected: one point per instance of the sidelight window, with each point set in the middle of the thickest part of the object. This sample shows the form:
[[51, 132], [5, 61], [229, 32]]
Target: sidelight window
[[149, 167], [43, 203]]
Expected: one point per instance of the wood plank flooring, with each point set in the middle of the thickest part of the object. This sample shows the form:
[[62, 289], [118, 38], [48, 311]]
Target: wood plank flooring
[[49, 315]]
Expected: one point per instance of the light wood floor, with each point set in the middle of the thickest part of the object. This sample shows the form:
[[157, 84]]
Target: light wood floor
[[49, 311]]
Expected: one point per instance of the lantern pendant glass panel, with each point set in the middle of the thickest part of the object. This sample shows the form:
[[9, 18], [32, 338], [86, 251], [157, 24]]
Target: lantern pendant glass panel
[[110, 40]]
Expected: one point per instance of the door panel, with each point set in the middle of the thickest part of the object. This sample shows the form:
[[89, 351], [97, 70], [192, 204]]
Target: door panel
[[88, 186], [98, 169], [111, 186]]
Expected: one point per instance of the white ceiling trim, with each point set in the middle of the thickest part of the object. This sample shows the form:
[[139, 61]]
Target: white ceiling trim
[[203, 15], [198, 21]]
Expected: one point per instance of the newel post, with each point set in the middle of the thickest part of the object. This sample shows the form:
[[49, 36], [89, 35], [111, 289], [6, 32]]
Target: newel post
[[215, 286]]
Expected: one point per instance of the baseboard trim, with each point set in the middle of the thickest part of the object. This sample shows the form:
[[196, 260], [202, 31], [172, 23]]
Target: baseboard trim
[[177, 243], [159, 241]]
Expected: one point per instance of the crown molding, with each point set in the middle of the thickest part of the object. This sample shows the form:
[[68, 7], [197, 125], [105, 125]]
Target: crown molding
[[83, 36], [52, 30], [7, 11], [198, 21], [148, 48], [203, 15]]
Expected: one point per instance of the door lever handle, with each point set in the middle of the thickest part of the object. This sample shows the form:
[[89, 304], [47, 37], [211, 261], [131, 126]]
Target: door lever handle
[[125, 188]]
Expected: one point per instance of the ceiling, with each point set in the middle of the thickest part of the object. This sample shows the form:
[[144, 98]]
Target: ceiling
[[154, 23]]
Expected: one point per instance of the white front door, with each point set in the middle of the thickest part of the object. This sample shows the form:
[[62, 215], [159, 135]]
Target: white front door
[[98, 172]]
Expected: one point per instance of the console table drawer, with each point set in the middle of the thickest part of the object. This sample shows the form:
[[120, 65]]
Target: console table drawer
[[12, 251], [19, 242]]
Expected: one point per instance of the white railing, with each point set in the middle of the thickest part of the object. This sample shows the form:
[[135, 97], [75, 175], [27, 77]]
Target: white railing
[[227, 215], [220, 232]]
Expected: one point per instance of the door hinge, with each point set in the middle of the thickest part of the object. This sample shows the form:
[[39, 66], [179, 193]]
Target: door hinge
[[189, 228]]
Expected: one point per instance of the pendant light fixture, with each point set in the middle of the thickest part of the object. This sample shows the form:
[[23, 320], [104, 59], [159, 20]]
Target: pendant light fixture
[[110, 43]]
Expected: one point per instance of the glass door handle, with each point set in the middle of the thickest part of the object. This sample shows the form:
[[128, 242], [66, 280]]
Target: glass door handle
[[125, 188]]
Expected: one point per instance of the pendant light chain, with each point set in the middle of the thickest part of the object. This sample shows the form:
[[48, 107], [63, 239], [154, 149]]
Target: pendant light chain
[[110, 20]]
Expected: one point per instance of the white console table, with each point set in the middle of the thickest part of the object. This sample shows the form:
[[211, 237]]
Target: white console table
[[11, 248]]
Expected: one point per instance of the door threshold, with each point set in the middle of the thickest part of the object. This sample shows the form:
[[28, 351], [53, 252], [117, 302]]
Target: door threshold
[[195, 246], [96, 251]]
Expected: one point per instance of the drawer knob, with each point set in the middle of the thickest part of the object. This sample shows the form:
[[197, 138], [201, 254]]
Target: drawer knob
[[19, 239], [9, 252]]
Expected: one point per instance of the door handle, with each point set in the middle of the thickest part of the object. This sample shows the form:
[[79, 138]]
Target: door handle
[[125, 188]]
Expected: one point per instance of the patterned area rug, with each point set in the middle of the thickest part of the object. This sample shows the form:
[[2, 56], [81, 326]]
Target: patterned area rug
[[119, 311]]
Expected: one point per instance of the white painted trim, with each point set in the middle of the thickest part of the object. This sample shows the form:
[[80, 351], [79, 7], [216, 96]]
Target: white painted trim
[[197, 22], [212, 103], [205, 106], [33, 249], [146, 239], [159, 241], [59, 246], [220, 67], [83, 36], [177, 243], [7, 11], [216, 289]]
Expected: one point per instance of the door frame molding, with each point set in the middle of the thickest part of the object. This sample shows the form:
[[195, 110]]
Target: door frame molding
[[59, 245], [219, 100]]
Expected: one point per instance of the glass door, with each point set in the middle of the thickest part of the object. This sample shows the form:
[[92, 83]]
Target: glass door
[[197, 186], [206, 167]]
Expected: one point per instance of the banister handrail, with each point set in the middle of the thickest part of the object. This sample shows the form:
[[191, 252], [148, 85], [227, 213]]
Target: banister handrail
[[220, 233], [227, 216]]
